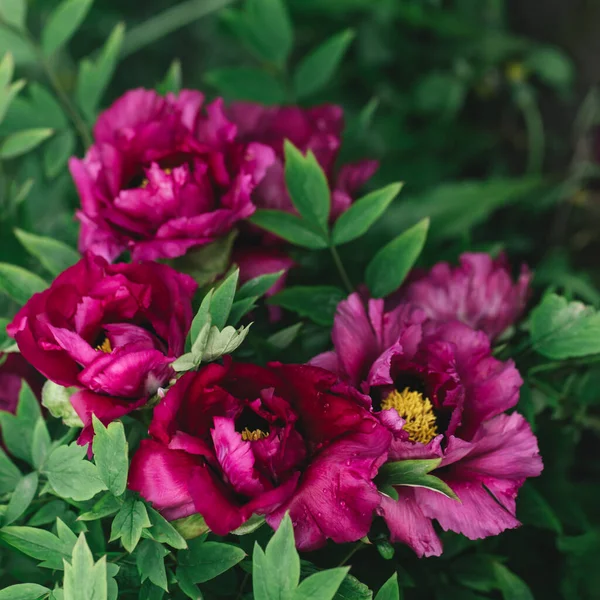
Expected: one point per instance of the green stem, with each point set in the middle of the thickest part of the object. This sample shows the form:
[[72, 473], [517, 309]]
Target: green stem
[[352, 552], [341, 270], [536, 141], [168, 21]]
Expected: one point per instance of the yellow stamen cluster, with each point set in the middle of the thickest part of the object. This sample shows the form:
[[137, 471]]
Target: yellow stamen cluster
[[253, 436], [105, 346], [417, 412], [145, 181]]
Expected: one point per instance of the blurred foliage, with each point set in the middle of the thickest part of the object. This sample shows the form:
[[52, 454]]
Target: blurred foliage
[[468, 112]]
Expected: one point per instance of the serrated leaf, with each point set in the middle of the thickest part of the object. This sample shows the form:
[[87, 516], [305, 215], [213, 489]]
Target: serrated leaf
[[57, 152], [24, 591], [290, 228], [223, 342], [321, 586], [318, 303], [562, 329], [17, 430], [357, 220], [111, 453], [171, 84], [162, 531], [62, 24], [389, 590], [316, 70], [222, 299], [186, 362], [149, 559], [13, 12], [21, 498], [24, 141], [129, 522], [198, 345], [307, 186], [19, 284], [390, 266], [84, 579], [95, 74], [53, 255], [9, 473], [106, 506], [37, 543], [206, 560], [247, 84], [57, 399], [70, 475]]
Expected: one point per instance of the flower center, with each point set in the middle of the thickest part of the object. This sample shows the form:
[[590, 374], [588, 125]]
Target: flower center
[[416, 411], [145, 181], [105, 346], [253, 436]]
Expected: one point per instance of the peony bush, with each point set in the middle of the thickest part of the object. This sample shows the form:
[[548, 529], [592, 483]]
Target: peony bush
[[264, 373]]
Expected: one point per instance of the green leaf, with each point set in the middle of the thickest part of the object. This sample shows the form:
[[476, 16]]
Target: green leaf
[[219, 343], [7, 65], [49, 513], [186, 585], [284, 337], [9, 474], [511, 586], [107, 505], [252, 524], [37, 543], [322, 585], [150, 563], [57, 399], [562, 329], [8, 94], [357, 220], [258, 286], [23, 141], [245, 83], [53, 255], [21, 49], [191, 527], [21, 498], [389, 267], [202, 317], [318, 303], [290, 228], [533, 509], [95, 75], [17, 429], [70, 475], [23, 591], [206, 560], [186, 362], [62, 24], [240, 308], [40, 444], [413, 473], [552, 66], [19, 283], [317, 69], [389, 590], [222, 299], [162, 531], [111, 453], [353, 589], [129, 523], [85, 580], [13, 12], [307, 185], [172, 81], [57, 152]]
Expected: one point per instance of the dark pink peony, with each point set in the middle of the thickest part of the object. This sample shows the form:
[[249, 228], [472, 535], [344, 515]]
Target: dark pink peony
[[318, 129], [234, 440], [443, 395], [163, 176], [480, 292], [13, 370], [110, 330]]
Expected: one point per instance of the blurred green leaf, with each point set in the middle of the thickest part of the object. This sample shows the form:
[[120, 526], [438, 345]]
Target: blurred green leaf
[[390, 266], [7, 95], [57, 152], [21, 50], [318, 303], [13, 12], [511, 586], [533, 509], [24, 591], [19, 283], [62, 24], [357, 220], [245, 83], [95, 74], [562, 329], [440, 93], [9, 474], [7, 67], [291, 228], [552, 66], [22, 142], [53, 255], [317, 69], [172, 80]]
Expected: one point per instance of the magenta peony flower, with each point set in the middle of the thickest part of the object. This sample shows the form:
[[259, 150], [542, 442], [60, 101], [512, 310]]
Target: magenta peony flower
[[318, 129], [110, 330], [13, 370], [232, 440], [443, 395], [163, 176], [480, 293]]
